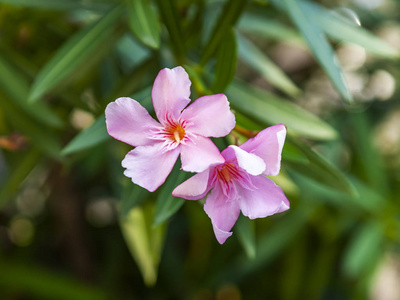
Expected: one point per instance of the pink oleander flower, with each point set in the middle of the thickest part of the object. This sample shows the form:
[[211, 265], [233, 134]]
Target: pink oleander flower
[[181, 130], [238, 183]]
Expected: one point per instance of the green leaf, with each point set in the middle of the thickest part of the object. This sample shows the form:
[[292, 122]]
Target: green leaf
[[144, 241], [132, 196], [16, 87], [365, 247], [229, 16], [75, 53], [252, 23], [91, 136], [319, 45], [226, 63], [172, 21], [167, 204], [18, 174], [268, 109], [144, 22], [341, 29], [246, 234], [61, 4], [319, 169], [253, 57]]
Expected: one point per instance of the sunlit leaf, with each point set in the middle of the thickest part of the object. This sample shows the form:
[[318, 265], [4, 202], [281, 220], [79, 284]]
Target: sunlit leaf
[[229, 16], [144, 22], [75, 53], [226, 63], [144, 241], [319, 45], [268, 109], [259, 62]]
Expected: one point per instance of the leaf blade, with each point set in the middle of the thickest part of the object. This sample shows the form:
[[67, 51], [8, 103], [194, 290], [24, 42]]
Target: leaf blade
[[74, 53], [268, 109]]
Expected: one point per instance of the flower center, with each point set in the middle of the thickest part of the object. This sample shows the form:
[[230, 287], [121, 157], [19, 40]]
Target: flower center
[[227, 172], [177, 133]]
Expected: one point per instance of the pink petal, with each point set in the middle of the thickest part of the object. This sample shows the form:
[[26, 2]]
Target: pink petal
[[222, 212], [130, 122], [195, 188], [148, 166], [210, 116], [268, 145], [249, 162], [199, 153], [266, 199], [170, 94]]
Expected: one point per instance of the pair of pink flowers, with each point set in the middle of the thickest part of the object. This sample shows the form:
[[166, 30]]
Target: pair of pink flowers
[[234, 179]]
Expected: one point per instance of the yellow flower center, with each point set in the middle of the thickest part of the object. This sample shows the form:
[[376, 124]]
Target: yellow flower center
[[177, 133]]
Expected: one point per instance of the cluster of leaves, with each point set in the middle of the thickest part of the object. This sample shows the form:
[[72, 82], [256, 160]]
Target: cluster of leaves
[[78, 55]]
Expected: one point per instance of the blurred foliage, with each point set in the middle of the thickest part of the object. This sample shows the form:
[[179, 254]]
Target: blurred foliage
[[71, 225]]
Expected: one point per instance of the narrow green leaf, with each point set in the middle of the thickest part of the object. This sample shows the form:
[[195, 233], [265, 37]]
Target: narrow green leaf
[[91, 136], [366, 245], [341, 29], [319, 169], [246, 234], [28, 161], [75, 53], [144, 22], [257, 60], [319, 45], [252, 23], [229, 16], [61, 4], [144, 241], [16, 87], [167, 204], [132, 196], [268, 109], [226, 63], [172, 21]]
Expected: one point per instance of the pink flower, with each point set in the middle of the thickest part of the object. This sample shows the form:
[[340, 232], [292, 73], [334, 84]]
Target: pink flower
[[238, 183], [182, 131]]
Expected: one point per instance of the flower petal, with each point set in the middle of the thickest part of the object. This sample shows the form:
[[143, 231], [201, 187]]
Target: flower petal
[[199, 153], [130, 122], [268, 145], [266, 199], [210, 116], [148, 166], [222, 212], [170, 94], [249, 162], [195, 188]]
